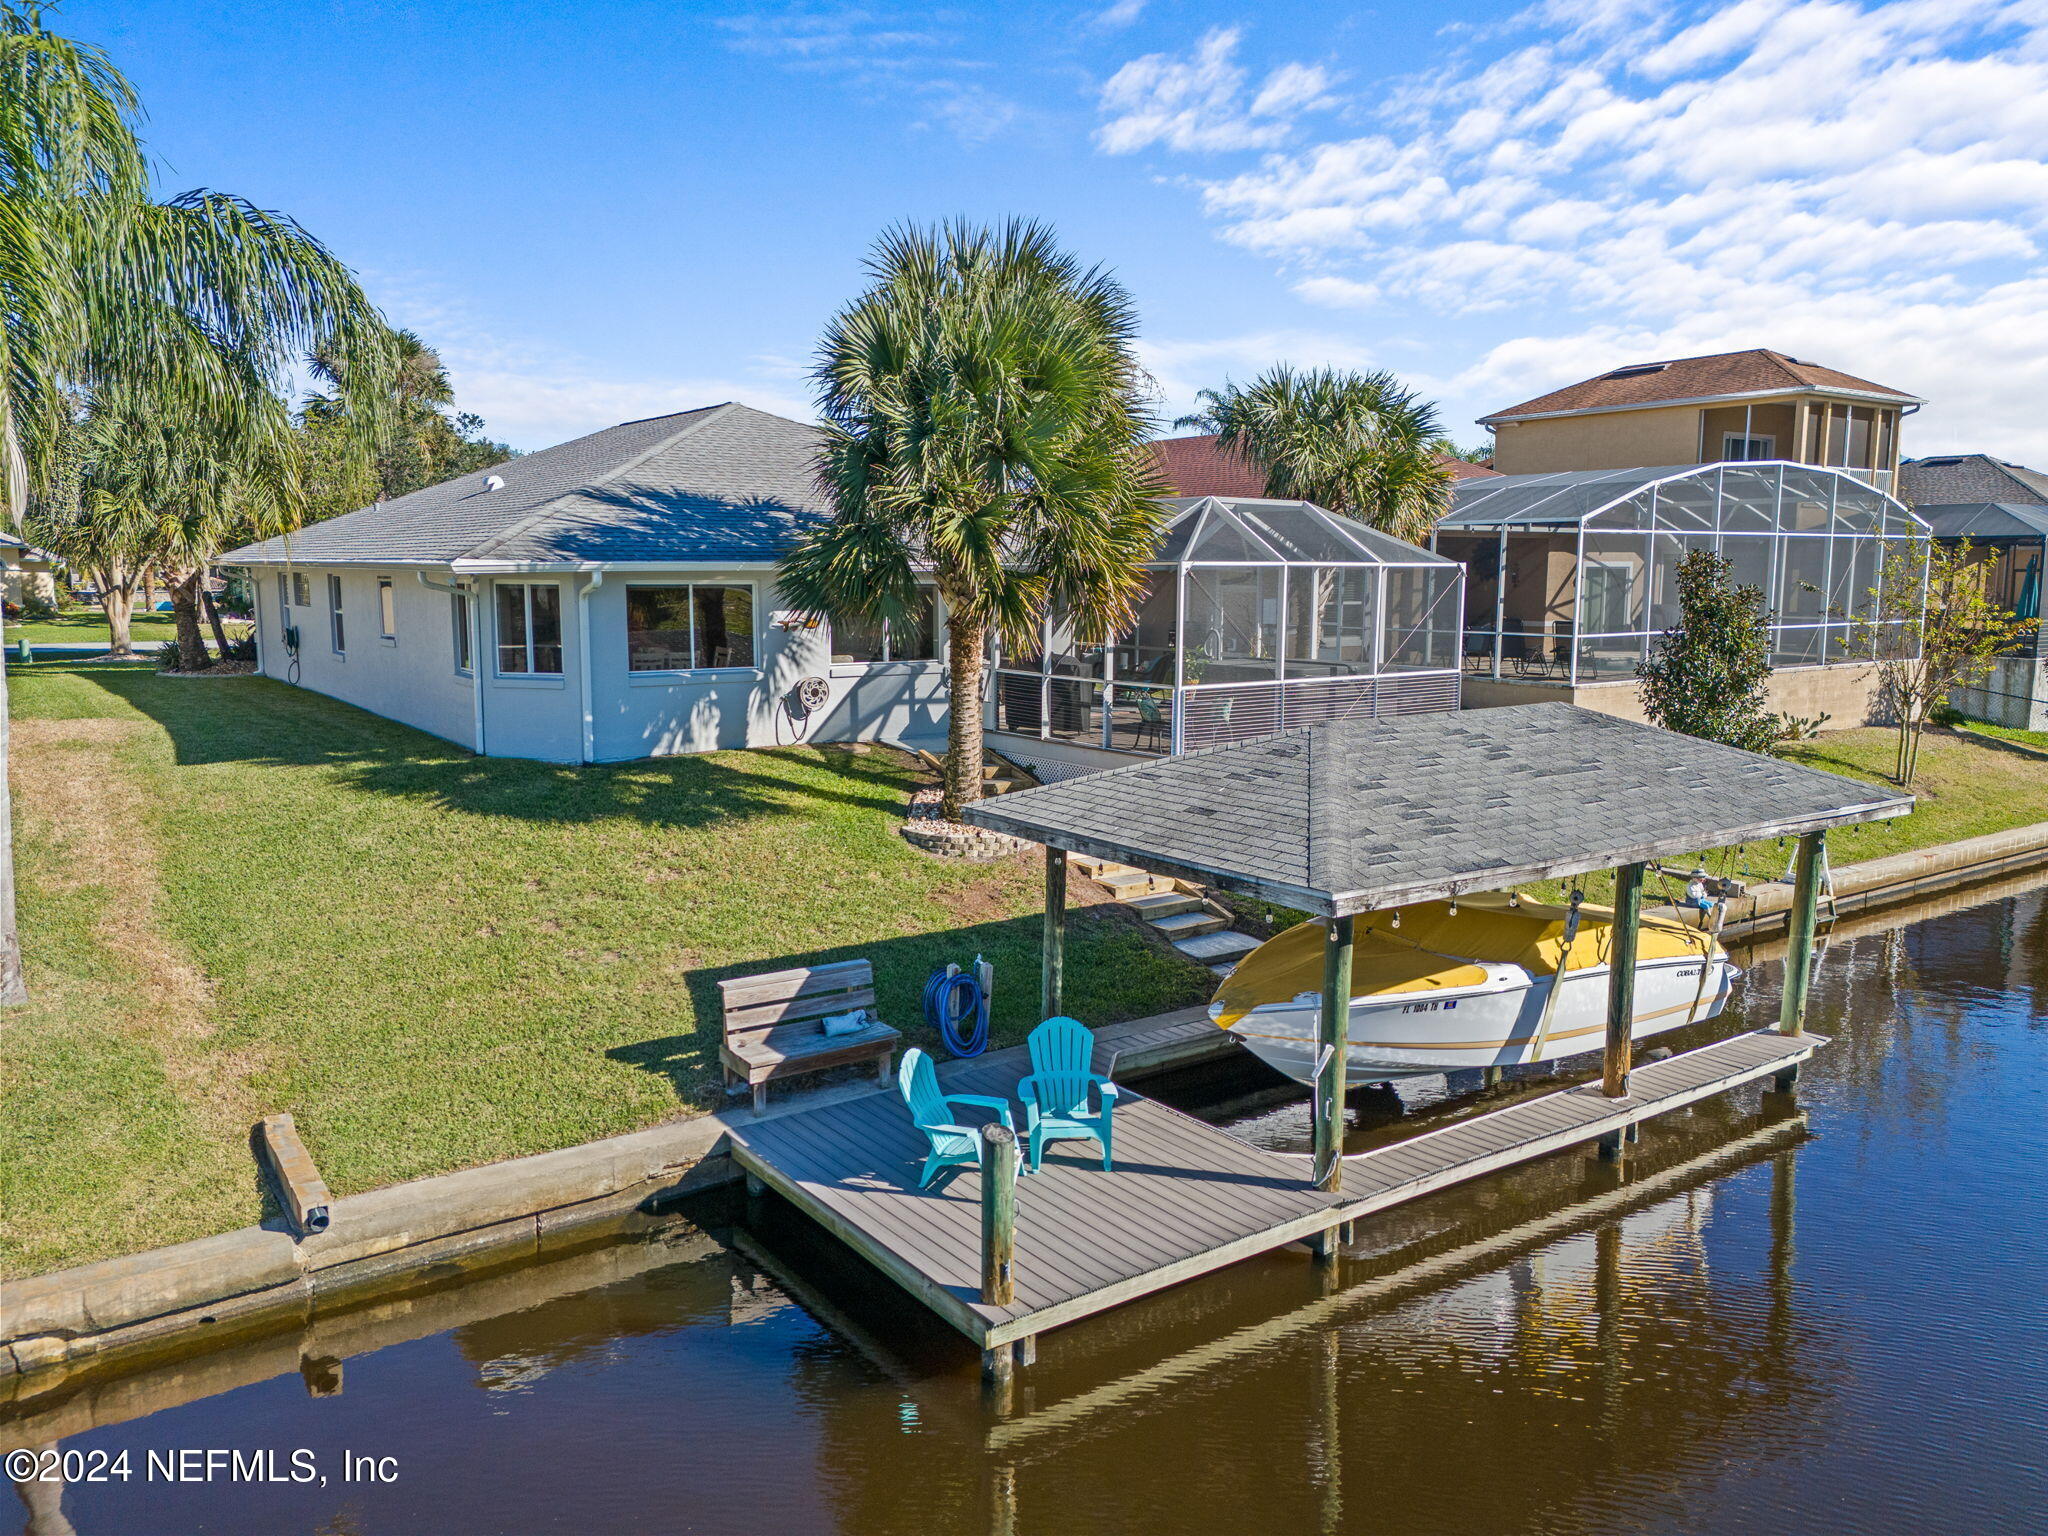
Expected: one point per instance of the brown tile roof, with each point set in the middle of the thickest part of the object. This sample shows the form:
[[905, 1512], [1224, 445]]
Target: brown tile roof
[[1697, 378], [1195, 466]]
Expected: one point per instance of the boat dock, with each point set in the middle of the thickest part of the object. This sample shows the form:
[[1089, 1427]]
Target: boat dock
[[1184, 1198]]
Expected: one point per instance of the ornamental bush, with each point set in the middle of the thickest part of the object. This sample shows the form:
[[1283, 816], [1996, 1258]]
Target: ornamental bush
[[1706, 676]]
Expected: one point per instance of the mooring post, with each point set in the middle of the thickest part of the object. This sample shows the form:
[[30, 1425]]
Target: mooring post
[[998, 1376], [1054, 956], [1333, 1044], [1621, 979], [1801, 922], [998, 1215]]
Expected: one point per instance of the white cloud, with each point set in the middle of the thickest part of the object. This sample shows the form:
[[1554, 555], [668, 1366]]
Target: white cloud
[[1199, 102], [1606, 180], [1115, 17]]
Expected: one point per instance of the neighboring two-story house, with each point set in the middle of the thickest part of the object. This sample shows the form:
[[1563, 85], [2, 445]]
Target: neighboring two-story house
[[1571, 553], [1729, 406]]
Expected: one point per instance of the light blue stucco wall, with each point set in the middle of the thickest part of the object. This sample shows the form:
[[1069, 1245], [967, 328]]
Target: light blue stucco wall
[[413, 677]]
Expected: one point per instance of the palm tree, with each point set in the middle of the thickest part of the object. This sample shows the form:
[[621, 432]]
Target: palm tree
[[1356, 443], [984, 426]]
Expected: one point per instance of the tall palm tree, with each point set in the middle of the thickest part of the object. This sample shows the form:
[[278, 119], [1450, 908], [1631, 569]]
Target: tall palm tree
[[1357, 443], [984, 425]]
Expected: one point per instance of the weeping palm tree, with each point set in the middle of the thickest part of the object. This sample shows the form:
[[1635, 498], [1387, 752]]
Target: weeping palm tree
[[1357, 443], [188, 313], [984, 427]]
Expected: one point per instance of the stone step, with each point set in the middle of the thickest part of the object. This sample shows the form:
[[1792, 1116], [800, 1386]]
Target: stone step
[[1163, 904], [1222, 969], [1187, 925], [1212, 947]]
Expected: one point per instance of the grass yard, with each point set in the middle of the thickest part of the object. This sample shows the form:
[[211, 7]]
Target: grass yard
[[2038, 740], [88, 626], [238, 897]]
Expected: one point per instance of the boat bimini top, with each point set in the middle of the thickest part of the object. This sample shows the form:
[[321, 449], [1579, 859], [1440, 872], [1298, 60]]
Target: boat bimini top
[[1441, 946]]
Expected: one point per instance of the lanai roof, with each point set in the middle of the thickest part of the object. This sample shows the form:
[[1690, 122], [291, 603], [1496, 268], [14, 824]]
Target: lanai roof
[[1362, 814], [1254, 530], [725, 483], [1987, 520], [1566, 498]]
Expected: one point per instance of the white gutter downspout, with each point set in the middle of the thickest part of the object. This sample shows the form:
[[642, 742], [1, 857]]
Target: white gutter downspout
[[476, 653], [583, 669]]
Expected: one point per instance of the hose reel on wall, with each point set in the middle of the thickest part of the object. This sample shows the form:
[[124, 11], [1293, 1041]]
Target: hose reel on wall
[[799, 705]]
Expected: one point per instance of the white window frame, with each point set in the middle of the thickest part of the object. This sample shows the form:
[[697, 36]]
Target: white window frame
[[1610, 569], [387, 610], [302, 594], [526, 598], [458, 615], [753, 590], [337, 616], [1731, 441]]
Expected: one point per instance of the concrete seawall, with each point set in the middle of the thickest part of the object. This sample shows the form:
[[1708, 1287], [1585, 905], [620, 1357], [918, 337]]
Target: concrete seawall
[[240, 1284]]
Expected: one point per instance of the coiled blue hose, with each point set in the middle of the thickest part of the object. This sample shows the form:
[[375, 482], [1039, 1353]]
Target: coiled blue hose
[[955, 1007]]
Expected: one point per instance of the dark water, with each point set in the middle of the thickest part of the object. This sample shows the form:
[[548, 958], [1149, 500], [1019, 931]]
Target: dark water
[[1824, 1317]]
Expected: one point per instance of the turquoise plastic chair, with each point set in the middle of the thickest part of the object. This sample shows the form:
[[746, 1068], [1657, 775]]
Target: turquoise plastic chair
[[1058, 1093], [953, 1145]]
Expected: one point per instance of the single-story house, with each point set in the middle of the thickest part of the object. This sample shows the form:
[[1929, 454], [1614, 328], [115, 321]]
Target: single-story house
[[609, 598], [614, 598], [27, 574]]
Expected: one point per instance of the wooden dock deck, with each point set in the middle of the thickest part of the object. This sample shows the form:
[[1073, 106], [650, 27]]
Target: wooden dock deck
[[1185, 1198]]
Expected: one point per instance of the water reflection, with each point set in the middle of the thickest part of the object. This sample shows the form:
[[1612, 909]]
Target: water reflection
[[1824, 1315]]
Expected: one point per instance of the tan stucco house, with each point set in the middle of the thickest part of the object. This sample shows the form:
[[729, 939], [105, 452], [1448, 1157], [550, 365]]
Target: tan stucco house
[[1726, 407]]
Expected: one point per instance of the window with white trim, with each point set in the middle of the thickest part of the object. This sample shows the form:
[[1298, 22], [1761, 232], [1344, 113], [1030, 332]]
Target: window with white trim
[[1737, 447], [529, 628], [334, 616], [302, 595], [458, 614], [917, 639], [689, 628], [387, 609]]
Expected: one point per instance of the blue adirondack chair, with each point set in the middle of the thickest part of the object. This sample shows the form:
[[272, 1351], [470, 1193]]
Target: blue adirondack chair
[[1058, 1094], [931, 1111]]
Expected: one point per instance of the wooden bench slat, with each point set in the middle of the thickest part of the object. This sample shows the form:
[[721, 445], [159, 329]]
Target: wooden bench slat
[[738, 991], [778, 1046], [760, 1016]]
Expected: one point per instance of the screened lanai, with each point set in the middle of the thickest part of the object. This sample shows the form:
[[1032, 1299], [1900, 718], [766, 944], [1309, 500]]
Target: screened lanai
[[2010, 541], [1570, 576], [1257, 616]]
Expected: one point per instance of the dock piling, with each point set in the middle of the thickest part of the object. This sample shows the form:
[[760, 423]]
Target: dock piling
[[1621, 980], [1801, 922], [1053, 955], [998, 1215], [1332, 1075]]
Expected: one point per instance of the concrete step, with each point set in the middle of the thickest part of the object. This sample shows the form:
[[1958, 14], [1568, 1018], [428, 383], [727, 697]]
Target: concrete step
[[1186, 925], [1163, 904], [1212, 947], [1222, 969]]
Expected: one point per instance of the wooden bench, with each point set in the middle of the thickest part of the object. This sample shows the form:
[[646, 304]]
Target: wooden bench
[[773, 1025]]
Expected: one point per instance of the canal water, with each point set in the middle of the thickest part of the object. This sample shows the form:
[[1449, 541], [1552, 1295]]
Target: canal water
[[1823, 1316]]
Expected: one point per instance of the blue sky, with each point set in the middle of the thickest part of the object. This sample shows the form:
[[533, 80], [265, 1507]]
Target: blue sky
[[607, 210]]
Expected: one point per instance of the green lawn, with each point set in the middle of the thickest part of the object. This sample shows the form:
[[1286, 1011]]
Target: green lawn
[[238, 897], [88, 626], [2036, 739]]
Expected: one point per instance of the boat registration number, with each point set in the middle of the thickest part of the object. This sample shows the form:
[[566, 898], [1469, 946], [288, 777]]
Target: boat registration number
[[1447, 1003]]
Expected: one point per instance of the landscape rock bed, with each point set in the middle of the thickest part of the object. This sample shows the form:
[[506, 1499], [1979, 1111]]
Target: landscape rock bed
[[928, 831]]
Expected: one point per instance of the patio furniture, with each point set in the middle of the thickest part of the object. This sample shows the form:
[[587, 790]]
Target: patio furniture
[[1058, 1092], [774, 1025], [953, 1145], [1151, 721]]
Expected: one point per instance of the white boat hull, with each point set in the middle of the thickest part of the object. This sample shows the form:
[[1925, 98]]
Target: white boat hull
[[1494, 1024]]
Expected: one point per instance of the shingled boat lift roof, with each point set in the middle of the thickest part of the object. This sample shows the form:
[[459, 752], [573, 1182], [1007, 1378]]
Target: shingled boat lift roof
[[1353, 816]]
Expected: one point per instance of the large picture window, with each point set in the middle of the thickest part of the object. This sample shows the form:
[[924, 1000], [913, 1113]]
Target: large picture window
[[530, 628], [856, 640], [689, 628]]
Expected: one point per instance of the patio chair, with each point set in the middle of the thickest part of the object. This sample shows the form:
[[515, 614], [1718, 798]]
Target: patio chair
[[952, 1144], [1057, 1094]]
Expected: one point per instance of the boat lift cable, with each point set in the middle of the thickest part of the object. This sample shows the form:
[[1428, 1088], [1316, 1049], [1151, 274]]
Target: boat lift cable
[[956, 1005], [1564, 960]]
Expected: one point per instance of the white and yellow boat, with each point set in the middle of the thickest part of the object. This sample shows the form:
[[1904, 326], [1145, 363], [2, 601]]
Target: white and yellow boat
[[1466, 985]]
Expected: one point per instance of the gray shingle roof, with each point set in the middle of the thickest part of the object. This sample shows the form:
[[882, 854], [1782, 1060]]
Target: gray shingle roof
[[723, 483], [1354, 815], [1982, 520], [1956, 479]]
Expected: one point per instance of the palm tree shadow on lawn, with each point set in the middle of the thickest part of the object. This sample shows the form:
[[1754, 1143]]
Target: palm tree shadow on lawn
[[262, 721]]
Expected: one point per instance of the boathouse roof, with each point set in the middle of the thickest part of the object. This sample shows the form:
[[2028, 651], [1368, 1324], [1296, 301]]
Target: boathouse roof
[[1356, 815]]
